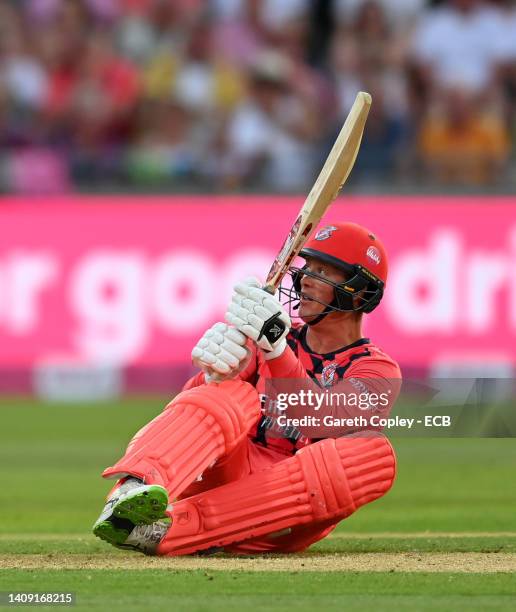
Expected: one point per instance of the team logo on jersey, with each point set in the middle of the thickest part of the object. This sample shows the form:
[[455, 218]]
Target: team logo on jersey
[[374, 254], [328, 374], [325, 232]]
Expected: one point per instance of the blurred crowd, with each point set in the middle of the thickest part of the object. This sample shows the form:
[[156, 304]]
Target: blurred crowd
[[222, 95]]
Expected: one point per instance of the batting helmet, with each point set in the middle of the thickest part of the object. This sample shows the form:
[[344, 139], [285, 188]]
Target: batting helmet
[[359, 254]]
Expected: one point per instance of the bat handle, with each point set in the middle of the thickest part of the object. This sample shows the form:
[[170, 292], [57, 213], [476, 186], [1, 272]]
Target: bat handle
[[219, 377], [215, 376]]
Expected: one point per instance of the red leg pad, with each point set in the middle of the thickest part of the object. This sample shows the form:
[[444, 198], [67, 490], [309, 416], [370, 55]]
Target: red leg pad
[[321, 484], [295, 539], [198, 427]]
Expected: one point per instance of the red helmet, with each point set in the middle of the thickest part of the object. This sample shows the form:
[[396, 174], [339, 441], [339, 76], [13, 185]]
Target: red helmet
[[351, 244], [359, 254]]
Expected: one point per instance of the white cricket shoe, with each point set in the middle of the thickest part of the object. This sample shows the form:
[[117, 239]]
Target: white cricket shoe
[[132, 516]]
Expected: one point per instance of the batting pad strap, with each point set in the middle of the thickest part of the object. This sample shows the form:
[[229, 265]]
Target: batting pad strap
[[198, 427], [324, 482]]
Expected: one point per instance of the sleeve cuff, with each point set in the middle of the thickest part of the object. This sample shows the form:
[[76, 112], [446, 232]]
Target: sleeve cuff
[[286, 365]]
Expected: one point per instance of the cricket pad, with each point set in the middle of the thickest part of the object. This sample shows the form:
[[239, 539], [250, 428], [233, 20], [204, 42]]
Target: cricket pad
[[322, 484], [198, 427]]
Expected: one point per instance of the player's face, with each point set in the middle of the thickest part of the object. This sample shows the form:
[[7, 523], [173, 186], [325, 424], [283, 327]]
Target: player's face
[[315, 291]]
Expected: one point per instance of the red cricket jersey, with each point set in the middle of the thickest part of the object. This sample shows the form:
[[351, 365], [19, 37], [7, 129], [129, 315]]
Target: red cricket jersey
[[361, 360]]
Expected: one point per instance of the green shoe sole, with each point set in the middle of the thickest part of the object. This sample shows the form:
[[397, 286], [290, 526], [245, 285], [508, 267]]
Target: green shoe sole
[[144, 507], [109, 533]]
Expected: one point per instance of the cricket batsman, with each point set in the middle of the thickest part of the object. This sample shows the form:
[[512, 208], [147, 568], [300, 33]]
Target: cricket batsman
[[214, 472]]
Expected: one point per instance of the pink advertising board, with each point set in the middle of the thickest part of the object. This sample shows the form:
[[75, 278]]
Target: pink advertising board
[[136, 280]]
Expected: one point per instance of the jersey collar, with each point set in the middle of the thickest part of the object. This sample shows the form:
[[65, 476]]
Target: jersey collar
[[331, 355]]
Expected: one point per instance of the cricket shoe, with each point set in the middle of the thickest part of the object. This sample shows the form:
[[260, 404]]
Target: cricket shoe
[[131, 507]]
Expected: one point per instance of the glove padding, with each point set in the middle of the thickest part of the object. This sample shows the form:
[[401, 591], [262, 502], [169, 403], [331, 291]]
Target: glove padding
[[260, 316], [221, 352]]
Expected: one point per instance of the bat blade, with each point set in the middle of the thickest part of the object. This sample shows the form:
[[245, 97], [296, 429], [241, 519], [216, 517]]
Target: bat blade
[[333, 175]]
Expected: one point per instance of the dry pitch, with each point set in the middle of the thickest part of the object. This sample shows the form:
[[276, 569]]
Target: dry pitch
[[351, 562], [414, 561]]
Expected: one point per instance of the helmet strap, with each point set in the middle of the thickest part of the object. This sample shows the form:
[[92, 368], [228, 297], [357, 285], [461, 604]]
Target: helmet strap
[[320, 317]]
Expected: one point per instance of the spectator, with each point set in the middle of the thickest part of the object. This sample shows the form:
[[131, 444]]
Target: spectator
[[238, 31], [203, 82], [164, 151], [381, 151], [22, 74], [462, 145], [271, 135], [365, 56], [38, 171], [507, 73], [368, 52], [248, 93], [400, 14], [459, 43]]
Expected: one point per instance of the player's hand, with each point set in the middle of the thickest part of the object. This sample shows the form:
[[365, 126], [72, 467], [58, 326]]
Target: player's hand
[[221, 352], [260, 316]]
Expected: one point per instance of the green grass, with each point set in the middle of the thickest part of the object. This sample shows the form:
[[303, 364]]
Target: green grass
[[50, 463], [199, 590], [17, 543]]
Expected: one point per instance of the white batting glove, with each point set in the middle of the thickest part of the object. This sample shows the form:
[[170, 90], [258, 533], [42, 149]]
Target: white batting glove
[[221, 352], [260, 316]]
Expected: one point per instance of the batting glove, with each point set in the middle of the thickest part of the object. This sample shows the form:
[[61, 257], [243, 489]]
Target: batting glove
[[221, 352], [260, 316]]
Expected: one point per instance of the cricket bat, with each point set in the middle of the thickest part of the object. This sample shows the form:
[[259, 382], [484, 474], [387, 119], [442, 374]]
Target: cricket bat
[[333, 175]]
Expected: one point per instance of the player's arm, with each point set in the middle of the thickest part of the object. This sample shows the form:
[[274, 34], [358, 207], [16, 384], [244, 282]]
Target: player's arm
[[377, 375], [262, 318], [354, 403]]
